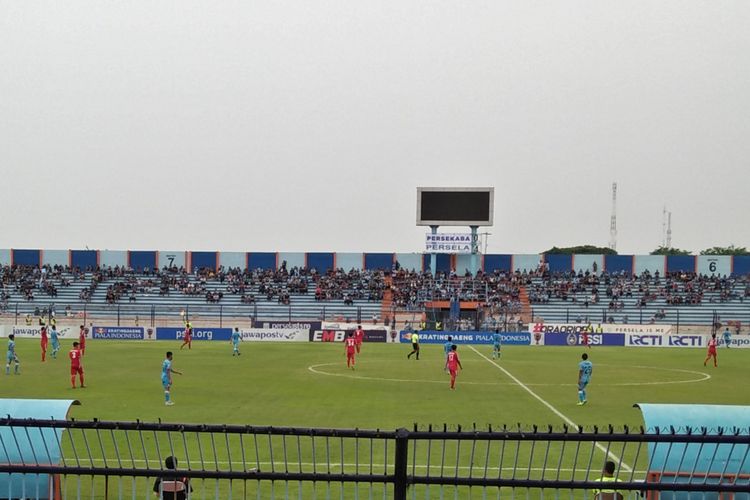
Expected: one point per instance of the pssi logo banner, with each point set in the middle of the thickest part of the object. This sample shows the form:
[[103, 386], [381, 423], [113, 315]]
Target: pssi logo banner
[[634, 340], [576, 339], [479, 337], [172, 333], [118, 332]]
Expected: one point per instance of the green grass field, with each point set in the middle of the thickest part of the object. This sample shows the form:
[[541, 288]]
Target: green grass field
[[308, 385]]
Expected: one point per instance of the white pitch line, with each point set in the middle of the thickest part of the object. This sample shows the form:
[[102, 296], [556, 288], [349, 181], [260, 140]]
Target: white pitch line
[[703, 377], [551, 408]]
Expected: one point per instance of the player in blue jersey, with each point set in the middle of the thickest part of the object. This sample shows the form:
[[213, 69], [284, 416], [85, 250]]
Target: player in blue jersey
[[12, 357], [496, 344], [727, 337], [55, 341], [584, 376], [166, 378], [236, 342]]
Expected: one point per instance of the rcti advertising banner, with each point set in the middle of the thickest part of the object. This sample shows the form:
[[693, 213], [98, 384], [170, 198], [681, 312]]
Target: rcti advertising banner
[[117, 333], [172, 333], [633, 340], [441, 337], [576, 339], [274, 335], [542, 327]]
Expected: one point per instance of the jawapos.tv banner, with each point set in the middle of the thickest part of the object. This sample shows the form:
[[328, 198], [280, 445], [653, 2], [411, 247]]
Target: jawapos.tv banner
[[117, 333], [441, 337], [36, 331], [274, 335], [543, 327]]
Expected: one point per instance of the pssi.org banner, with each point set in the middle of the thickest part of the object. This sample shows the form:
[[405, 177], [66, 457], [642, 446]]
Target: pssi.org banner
[[117, 332], [479, 337], [35, 331], [576, 339], [274, 335], [173, 333]]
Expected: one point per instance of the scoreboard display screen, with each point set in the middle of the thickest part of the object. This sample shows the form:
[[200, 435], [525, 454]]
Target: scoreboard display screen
[[455, 206]]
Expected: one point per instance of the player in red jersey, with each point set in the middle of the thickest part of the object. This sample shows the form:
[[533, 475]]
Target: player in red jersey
[[75, 355], [585, 335], [711, 350], [453, 364], [187, 336], [359, 337], [82, 339], [351, 346], [44, 342]]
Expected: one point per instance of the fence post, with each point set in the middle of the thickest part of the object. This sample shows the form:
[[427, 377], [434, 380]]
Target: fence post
[[118, 314], [16, 313], [359, 314], [85, 313], [221, 316], [401, 480], [678, 321]]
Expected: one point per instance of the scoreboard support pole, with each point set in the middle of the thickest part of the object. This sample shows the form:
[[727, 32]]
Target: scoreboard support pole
[[433, 255], [474, 250]]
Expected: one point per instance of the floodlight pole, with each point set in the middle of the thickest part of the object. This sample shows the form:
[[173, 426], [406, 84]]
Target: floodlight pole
[[474, 250], [433, 256]]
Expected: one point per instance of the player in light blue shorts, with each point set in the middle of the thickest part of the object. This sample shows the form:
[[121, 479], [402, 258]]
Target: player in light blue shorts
[[236, 342], [11, 356], [166, 378], [496, 344], [727, 337], [55, 340], [584, 376]]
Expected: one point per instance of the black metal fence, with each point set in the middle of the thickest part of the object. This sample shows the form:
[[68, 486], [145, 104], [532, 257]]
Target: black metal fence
[[124, 459]]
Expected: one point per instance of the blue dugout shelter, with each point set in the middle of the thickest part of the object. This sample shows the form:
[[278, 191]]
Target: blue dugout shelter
[[674, 462], [23, 445]]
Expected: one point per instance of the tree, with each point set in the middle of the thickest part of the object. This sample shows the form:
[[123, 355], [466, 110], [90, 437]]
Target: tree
[[670, 251], [581, 250], [730, 250]]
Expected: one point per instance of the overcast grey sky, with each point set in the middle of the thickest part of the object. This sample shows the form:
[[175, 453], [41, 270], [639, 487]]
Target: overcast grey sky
[[307, 125]]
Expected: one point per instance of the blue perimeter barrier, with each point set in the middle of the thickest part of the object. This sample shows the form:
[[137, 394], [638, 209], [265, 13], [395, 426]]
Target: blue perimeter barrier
[[471, 337]]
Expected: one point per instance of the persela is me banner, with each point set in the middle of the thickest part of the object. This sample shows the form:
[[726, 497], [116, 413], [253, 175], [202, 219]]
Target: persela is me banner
[[541, 327], [448, 243]]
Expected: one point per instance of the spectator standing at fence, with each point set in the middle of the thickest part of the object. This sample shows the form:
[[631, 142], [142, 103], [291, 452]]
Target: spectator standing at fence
[[711, 351], [44, 342], [187, 336], [236, 342], [55, 339], [75, 355], [359, 337], [608, 476], [414, 345], [172, 488], [350, 344], [12, 357], [727, 337], [585, 367], [453, 364], [166, 378]]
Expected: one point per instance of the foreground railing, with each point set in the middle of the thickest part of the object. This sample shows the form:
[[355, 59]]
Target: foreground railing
[[95, 459]]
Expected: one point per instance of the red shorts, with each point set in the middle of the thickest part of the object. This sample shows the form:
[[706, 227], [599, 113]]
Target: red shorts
[[44, 343], [453, 371], [712, 352], [349, 354], [76, 369]]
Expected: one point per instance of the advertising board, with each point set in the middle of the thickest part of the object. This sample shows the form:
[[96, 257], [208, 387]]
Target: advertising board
[[576, 339], [468, 337], [117, 333], [35, 331], [274, 335], [637, 340], [332, 331], [542, 327], [208, 333]]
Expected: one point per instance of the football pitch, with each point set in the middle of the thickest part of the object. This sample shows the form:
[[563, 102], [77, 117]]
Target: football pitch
[[309, 385]]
